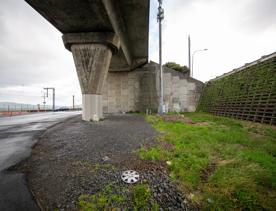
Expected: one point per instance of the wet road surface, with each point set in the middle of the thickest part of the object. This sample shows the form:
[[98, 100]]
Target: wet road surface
[[17, 136]]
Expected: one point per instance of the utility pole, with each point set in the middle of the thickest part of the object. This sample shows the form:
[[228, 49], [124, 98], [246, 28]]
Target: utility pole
[[189, 54], [54, 95], [160, 17], [44, 101], [73, 102]]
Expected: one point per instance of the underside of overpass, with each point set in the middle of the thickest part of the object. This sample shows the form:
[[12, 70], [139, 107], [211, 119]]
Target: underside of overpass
[[103, 35]]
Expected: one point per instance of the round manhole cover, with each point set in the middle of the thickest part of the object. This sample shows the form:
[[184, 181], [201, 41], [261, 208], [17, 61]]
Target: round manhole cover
[[130, 176]]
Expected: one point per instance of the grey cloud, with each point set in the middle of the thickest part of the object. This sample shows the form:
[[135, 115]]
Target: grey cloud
[[175, 5], [31, 50], [256, 15], [260, 15]]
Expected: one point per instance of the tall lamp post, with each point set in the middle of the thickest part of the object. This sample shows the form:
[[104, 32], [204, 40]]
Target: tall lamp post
[[160, 17], [189, 52], [196, 51]]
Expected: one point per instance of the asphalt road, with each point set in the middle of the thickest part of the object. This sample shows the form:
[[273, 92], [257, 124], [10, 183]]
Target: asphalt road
[[17, 136]]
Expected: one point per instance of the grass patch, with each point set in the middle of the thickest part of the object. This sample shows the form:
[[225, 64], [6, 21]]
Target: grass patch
[[103, 200], [244, 174], [112, 197], [141, 198], [270, 132]]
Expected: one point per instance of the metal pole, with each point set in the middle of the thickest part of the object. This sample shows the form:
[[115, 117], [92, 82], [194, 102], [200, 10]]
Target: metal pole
[[189, 53], [160, 67], [160, 17], [54, 98], [44, 102], [73, 102], [47, 91]]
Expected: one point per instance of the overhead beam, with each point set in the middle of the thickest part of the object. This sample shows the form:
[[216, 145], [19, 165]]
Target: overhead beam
[[118, 25]]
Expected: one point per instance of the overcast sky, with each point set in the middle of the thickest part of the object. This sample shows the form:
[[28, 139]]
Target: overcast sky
[[32, 55]]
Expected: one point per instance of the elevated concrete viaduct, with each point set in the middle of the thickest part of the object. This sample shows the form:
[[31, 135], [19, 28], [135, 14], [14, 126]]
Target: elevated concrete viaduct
[[103, 35]]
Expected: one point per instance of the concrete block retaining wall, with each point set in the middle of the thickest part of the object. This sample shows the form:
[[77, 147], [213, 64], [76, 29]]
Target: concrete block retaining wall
[[129, 92], [181, 92], [138, 90]]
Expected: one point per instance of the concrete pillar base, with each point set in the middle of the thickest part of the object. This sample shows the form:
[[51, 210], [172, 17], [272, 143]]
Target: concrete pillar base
[[92, 53], [92, 107]]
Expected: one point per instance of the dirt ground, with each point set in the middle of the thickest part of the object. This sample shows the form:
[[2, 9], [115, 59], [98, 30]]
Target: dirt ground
[[77, 157]]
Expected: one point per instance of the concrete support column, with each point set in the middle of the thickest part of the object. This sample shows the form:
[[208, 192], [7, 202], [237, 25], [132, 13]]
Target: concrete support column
[[92, 53], [92, 64], [92, 107]]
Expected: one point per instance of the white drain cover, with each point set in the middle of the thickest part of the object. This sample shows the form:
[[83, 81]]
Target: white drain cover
[[130, 176]]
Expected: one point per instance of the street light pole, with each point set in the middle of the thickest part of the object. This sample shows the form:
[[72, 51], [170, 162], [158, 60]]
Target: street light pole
[[160, 17], [192, 69], [189, 52]]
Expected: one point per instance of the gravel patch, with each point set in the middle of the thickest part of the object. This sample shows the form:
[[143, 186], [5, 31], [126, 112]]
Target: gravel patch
[[77, 157]]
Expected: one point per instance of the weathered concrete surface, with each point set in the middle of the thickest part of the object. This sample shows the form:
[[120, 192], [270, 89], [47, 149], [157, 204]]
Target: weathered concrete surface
[[92, 54], [125, 91], [92, 108], [109, 39], [92, 63], [129, 91], [93, 31], [138, 90], [128, 19], [181, 92]]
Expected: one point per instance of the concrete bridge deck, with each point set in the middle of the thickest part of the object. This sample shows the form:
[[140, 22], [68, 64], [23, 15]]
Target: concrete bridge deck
[[128, 19], [103, 35]]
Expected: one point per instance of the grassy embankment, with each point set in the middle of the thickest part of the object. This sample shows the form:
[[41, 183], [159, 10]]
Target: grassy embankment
[[223, 164]]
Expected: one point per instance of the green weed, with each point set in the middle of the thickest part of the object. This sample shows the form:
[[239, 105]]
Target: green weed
[[244, 177], [101, 201], [137, 197], [141, 196]]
